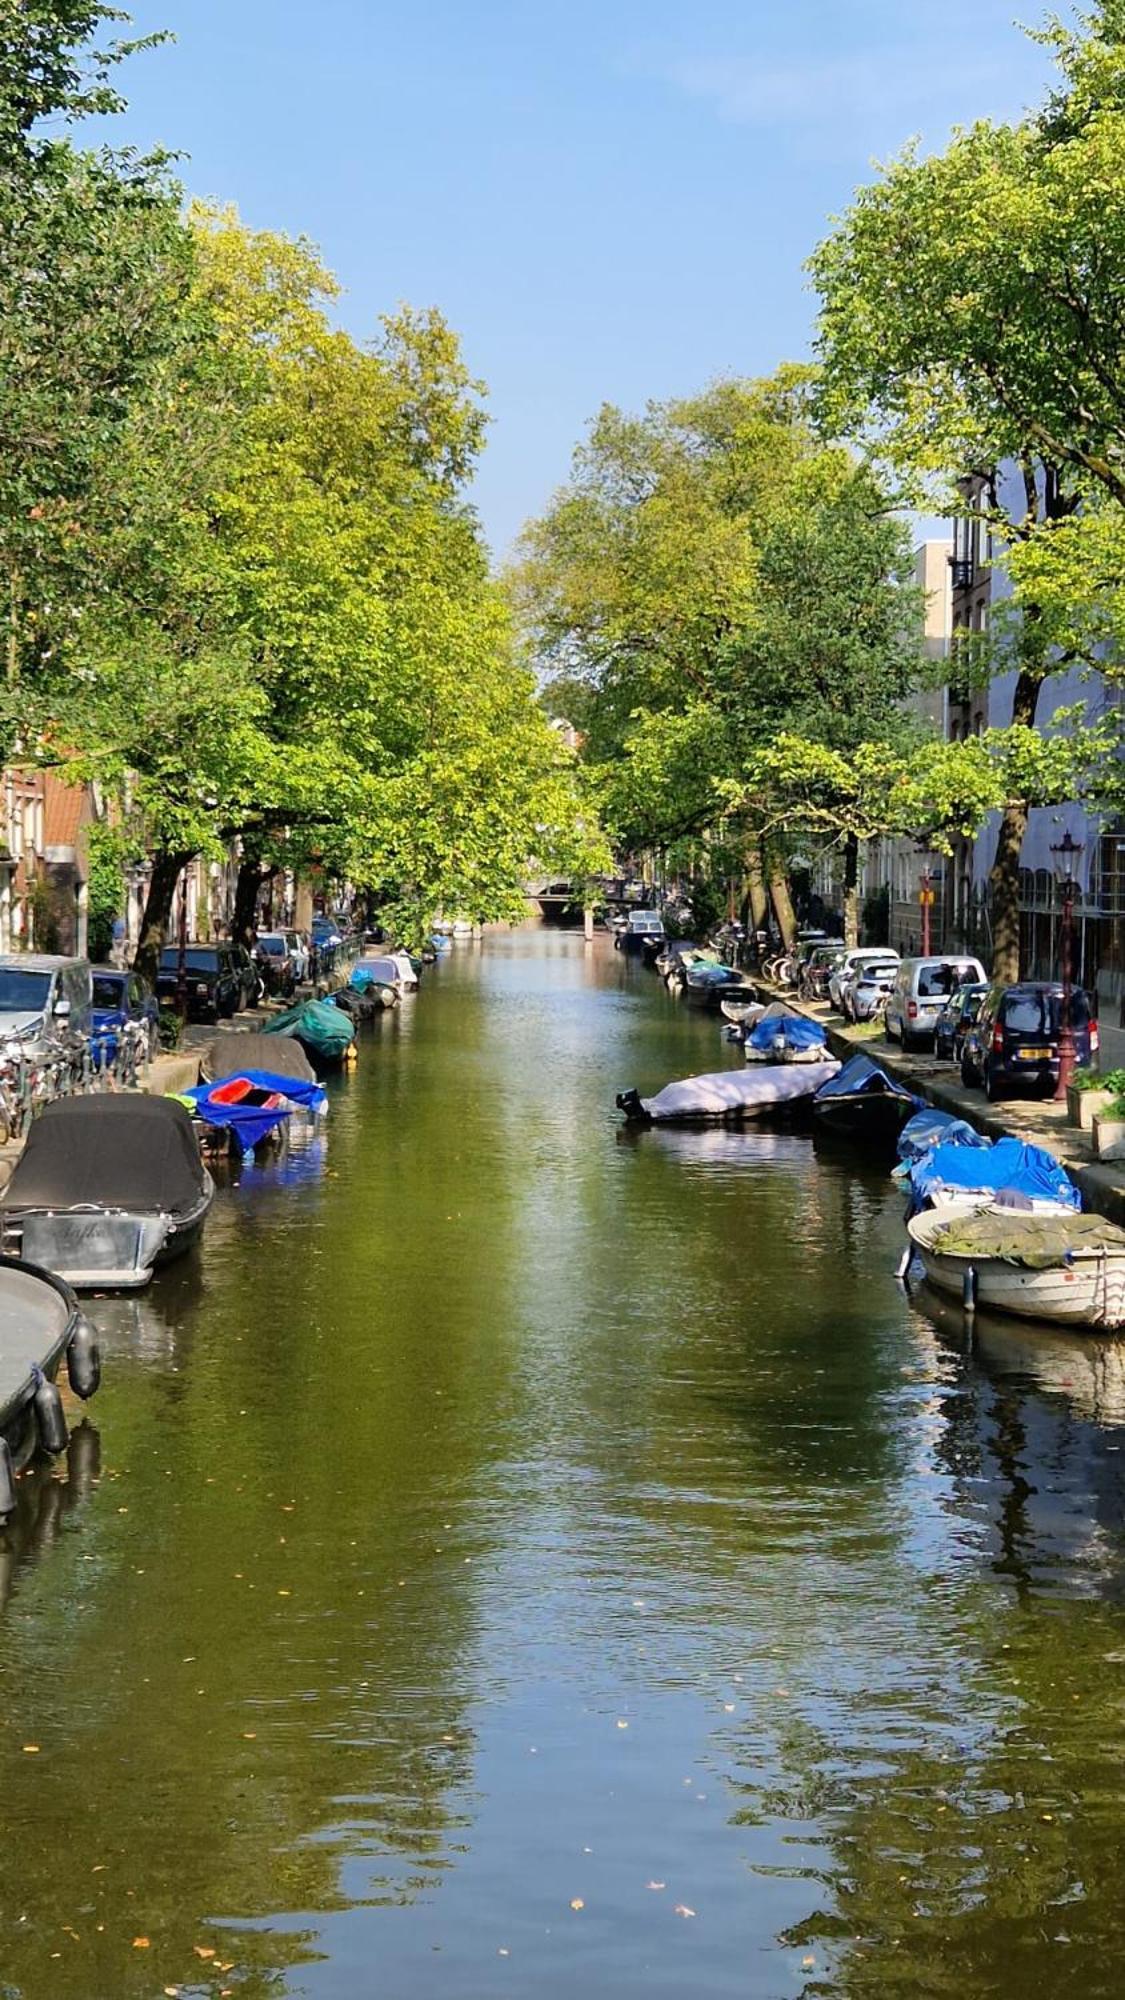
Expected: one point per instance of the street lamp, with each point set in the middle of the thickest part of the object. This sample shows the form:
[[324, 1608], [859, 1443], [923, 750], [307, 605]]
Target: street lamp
[[926, 891], [1066, 855]]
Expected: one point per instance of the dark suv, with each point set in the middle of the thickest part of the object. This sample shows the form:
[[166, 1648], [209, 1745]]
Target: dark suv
[[1014, 1040], [211, 978]]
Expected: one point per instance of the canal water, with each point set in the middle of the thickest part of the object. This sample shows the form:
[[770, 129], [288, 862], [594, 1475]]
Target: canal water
[[519, 1558]]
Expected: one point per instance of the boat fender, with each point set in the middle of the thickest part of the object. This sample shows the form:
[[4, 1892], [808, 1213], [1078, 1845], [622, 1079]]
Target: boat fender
[[7, 1481], [351, 1056], [969, 1289], [904, 1263], [83, 1361], [49, 1416]]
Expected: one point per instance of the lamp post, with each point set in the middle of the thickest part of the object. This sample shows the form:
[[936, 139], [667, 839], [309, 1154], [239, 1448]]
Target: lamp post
[[1066, 855], [926, 893]]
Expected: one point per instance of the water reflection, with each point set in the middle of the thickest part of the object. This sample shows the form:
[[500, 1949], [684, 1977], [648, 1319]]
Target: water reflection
[[508, 1515]]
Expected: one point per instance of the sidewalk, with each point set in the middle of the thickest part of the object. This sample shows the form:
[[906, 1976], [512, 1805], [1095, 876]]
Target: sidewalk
[[1037, 1122]]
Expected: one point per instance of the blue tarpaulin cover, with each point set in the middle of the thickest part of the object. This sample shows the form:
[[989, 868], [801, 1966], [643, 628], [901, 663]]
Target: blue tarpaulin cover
[[860, 1075], [791, 1029], [930, 1128], [1009, 1167], [252, 1123]]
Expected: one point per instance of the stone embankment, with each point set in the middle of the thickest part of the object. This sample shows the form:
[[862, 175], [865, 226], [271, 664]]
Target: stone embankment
[[1031, 1119]]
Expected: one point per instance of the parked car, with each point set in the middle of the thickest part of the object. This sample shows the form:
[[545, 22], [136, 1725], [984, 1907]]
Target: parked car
[[41, 994], [275, 963], [1014, 1041], [121, 997], [955, 1020], [920, 991], [854, 960], [867, 989], [213, 980]]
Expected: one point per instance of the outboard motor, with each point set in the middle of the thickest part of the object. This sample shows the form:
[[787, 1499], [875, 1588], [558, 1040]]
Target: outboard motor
[[629, 1101]]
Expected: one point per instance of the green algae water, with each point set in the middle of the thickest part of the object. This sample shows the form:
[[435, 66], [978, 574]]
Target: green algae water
[[521, 1558]]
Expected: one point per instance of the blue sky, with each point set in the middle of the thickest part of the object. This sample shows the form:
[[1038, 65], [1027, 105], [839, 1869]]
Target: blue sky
[[609, 201]]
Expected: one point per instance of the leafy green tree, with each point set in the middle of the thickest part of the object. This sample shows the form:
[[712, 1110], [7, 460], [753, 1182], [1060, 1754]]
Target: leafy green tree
[[971, 321], [714, 575]]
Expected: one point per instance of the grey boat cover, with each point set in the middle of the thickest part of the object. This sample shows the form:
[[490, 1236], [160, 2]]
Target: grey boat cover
[[234, 1054], [131, 1152], [35, 1317], [737, 1093]]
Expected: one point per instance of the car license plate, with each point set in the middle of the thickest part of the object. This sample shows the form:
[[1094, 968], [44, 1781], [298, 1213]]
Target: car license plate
[[1033, 1055]]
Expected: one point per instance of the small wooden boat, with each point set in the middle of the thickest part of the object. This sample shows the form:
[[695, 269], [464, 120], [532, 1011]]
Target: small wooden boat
[[41, 1325], [727, 1096], [863, 1102], [106, 1190], [1057, 1266]]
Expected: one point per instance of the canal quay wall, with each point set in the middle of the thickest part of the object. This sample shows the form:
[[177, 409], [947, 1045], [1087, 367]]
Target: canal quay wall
[[1034, 1121]]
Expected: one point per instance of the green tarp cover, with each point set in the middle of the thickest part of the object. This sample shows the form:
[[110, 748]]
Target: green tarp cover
[[319, 1024], [1039, 1242]]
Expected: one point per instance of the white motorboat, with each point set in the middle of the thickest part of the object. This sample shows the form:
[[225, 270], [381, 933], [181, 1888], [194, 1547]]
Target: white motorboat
[[1054, 1265], [729, 1095]]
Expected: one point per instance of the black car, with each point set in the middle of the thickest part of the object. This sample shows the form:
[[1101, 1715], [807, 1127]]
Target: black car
[[955, 1020], [1014, 1041], [212, 980]]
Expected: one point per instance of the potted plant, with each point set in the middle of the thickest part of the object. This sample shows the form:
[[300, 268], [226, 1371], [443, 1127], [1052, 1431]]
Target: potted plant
[[1109, 1131], [1090, 1095]]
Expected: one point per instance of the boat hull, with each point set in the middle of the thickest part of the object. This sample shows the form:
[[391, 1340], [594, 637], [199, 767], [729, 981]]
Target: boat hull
[[1087, 1291], [869, 1117], [105, 1250]]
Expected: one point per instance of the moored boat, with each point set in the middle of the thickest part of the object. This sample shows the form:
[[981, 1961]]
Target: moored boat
[[1023, 1175], [323, 1030], [726, 1096], [41, 1325], [1058, 1266], [254, 1106], [708, 985], [107, 1189], [781, 1036], [232, 1054], [863, 1102]]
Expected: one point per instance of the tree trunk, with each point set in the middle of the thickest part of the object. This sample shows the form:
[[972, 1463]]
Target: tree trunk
[[166, 871], [251, 875], [756, 899], [851, 890], [1004, 880], [778, 877], [1005, 884]]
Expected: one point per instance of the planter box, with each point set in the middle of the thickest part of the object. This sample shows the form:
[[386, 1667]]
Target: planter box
[[1109, 1137], [1083, 1106]]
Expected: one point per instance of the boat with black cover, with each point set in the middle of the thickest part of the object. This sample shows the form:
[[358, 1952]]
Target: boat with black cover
[[41, 1326], [234, 1054], [864, 1102], [106, 1190]]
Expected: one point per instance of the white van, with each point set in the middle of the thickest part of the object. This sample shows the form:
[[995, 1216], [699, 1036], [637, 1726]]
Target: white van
[[920, 992], [40, 994]]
